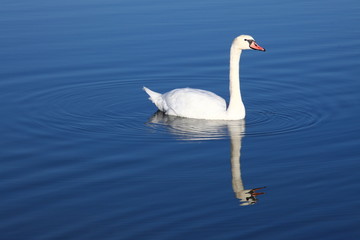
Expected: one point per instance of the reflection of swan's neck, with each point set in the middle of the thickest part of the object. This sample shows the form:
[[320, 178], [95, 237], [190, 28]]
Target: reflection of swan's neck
[[235, 143], [236, 106], [246, 196]]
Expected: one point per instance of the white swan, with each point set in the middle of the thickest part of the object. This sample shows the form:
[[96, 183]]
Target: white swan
[[201, 104]]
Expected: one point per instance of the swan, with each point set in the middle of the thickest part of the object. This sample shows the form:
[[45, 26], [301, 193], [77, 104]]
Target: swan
[[202, 104]]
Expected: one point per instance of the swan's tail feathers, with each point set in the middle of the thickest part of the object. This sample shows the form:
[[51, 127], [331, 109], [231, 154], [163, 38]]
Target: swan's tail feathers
[[156, 98], [153, 95]]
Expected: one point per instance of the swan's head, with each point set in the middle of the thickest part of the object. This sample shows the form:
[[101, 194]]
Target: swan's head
[[244, 42]]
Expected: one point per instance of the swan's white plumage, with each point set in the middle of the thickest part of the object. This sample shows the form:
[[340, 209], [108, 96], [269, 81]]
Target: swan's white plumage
[[189, 102], [201, 104]]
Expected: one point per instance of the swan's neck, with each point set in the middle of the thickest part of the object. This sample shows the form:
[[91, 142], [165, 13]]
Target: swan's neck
[[236, 107]]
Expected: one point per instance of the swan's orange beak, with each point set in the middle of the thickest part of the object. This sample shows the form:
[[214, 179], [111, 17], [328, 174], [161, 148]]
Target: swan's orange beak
[[255, 46]]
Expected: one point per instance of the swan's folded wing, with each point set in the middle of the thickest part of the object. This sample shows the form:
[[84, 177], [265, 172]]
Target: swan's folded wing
[[194, 103]]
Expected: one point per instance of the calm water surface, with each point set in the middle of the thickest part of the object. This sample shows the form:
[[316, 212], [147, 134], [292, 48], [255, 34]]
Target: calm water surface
[[85, 156]]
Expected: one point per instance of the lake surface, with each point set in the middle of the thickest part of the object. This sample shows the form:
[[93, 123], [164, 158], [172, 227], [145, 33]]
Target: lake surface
[[84, 155]]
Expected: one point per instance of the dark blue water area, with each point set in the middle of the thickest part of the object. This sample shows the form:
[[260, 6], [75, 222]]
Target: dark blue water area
[[85, 155]]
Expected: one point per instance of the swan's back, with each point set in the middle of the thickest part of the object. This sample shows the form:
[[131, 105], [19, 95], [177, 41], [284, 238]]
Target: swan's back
[[191, 103]]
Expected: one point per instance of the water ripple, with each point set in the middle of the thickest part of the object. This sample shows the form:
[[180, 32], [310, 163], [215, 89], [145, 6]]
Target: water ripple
[[104, 109], [259, 122], [95, 108]]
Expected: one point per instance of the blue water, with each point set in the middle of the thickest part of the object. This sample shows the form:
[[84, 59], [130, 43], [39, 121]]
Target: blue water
[[85, 156]]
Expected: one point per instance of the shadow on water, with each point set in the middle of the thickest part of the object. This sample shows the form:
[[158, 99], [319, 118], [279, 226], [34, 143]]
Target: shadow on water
[[196, 129]]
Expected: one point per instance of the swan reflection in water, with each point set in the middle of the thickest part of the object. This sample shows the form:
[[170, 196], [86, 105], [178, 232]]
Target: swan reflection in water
[[195, 129]]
